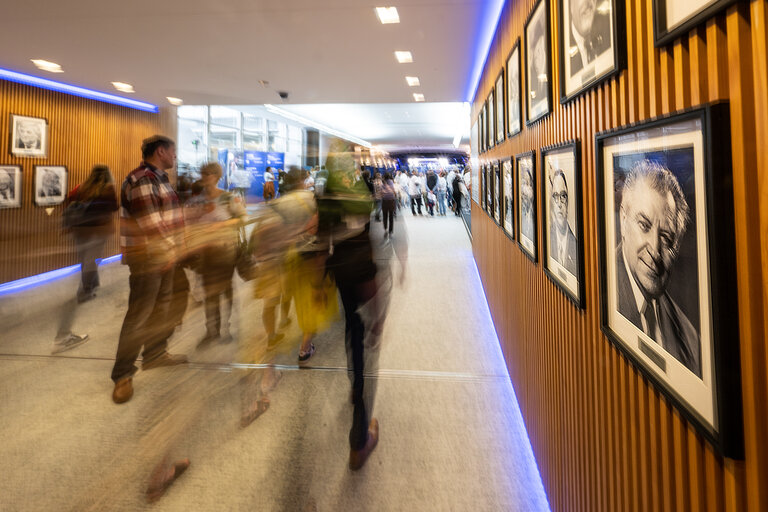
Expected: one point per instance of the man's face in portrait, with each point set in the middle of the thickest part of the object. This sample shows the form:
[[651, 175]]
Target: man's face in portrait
[[5, 181], [28, 134], [560, 202], [50, 182], [649, 237], [583, 14], [539, 59]]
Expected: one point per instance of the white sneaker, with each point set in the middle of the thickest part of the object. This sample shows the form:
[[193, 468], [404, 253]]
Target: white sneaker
[[67, 343]]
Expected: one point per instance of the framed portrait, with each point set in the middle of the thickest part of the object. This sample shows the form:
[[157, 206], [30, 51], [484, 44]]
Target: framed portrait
[[561, 210], [668, 294], [486, 193], [507, 198], [525, 168], [500, 132], [50, 184], [537, 63], [491, 102], [489, 190], [589, 46], [483, 129], [673, 18], [514, 105], [29, 136], [496, 186], [10, 186]]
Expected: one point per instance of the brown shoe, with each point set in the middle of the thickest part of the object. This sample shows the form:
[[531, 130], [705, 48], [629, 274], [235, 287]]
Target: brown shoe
[[357, 458], [123, 390], [163, 477], [165, 359]]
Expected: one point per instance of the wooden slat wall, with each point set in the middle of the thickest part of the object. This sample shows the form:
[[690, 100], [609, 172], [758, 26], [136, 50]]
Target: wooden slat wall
[[604, 438], [82, 132]]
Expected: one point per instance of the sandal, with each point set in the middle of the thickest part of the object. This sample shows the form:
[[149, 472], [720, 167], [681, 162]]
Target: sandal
[[249, 417], [303, 356], [159, 485]]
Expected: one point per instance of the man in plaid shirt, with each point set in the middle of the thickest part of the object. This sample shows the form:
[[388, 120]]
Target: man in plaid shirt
[[151, 224]]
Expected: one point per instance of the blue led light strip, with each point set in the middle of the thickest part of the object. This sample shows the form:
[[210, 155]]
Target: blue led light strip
[[53, 85], [488, 25], [47, 277]]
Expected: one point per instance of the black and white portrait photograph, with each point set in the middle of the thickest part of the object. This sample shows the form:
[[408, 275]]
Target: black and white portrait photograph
[[10, 186], [495, 172], [29, 136], [526, 201], [672, 18], [514, 107], [508, 199], [588, 36], [491, 102], [50, 184], [655, 255], [537, 62], [561, 212], [500, 132], [483, 129], [488, 204]]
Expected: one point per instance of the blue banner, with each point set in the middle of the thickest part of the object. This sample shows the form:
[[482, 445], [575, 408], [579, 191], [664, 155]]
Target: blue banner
[[255, 164]]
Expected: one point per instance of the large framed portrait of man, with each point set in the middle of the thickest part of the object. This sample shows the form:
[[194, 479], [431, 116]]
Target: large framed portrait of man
[[491, 102], [507, 198], [514, 105], [495, 176], [561, 208], [50, 184], [525, 169], [29, 136], [589, 47], [10, 186], [673, 18], [666, 246], [537, 63], [500, 131]]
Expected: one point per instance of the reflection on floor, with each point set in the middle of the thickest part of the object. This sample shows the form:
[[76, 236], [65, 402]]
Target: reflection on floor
[[452, 437]]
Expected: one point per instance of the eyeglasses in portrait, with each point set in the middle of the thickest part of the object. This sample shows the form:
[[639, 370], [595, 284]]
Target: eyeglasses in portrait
[[561, 214], [664, 299], [10, 186], [508, 199], [29, 136], [537, 53], [526, 201], [50, 184]]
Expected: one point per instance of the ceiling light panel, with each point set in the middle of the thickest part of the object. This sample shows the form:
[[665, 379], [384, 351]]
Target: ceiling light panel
[[45, 65], [174, 101], [418, 96], [413, 81], [403, 57], [123, 87], [387, 15]]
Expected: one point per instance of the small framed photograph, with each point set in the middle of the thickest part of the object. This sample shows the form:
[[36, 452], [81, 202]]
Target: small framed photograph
[[483, 129], [589, 47], [29, 136], [514, 105], [50, 184], [537, 64], [483, 186], [496, 177], [668, 295], [489, 190], [10, 186], [491, 102], [525, 167], [500, 131], [561, 211], [507, 198], [673, 18]]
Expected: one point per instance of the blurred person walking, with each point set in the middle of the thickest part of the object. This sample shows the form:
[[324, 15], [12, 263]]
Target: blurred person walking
[[457, 194], [151, 222], [388, 201], [414, 190], [442, 187], [431, 189], [269, 184]]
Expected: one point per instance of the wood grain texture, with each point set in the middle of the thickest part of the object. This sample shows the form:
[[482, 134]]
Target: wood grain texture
[[82, 133], [604, 437]]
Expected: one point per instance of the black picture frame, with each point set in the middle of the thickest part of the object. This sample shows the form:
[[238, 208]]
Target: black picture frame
[[28, 136], [610, 57], [484, 126], [528, 241], [561, 164], [537, 27], [491, 102], [10, 186], [50, 185], [514, 124], [496, 191], [486, 191], [701, 11], [693, 146], [501, 115], [507, 197]]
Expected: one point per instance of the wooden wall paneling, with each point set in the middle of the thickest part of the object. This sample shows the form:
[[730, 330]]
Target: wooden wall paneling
[[717, 59], [682, 72], [698, 56]]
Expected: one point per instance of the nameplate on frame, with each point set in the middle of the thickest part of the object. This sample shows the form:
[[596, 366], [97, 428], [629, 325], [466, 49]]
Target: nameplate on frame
[[652, 355]]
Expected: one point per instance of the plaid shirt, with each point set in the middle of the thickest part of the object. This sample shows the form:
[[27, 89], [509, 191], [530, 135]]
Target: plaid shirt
[[149, 210]]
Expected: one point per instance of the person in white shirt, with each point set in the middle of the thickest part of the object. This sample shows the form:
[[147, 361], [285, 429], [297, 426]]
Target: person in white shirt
[[442, 187], [449, 181], [414, 190]]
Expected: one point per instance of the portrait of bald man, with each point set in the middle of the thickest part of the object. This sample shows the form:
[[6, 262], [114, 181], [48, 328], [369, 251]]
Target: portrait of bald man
[[653, 217]]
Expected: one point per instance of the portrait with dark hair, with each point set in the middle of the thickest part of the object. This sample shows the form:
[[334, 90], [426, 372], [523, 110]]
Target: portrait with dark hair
[[10, 186], [50, 185], [29, 136], [537, 62], [526, 201]]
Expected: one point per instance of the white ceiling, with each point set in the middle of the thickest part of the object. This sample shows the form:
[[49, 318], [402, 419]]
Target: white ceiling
[[215, 52]]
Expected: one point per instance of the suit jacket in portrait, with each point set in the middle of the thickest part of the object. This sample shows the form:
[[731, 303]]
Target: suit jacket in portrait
[[598, 41], [680, 338], [571, 249]]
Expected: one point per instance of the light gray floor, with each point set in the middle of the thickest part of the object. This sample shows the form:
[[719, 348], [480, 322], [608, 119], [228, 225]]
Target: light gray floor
[[452, 437]]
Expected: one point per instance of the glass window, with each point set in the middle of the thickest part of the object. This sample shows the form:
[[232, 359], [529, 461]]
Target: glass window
[[225, 116], [276, 136], [192, 144], [222, 137], [253, 123], [194, 112]]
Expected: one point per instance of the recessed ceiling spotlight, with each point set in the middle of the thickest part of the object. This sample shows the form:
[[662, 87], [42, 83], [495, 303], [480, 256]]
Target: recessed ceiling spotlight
[[174, 101], [403, 57], [387, 15], [45, 65], [123, 87], [413, 81], [418, 96], [264, 83]]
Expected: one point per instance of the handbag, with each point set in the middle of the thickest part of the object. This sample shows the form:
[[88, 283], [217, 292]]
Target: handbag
[[245, 261], [75, 214]]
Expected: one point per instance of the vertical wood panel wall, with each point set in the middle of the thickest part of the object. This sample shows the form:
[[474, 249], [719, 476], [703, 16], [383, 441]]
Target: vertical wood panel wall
[[604, 437], [82, 132]]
